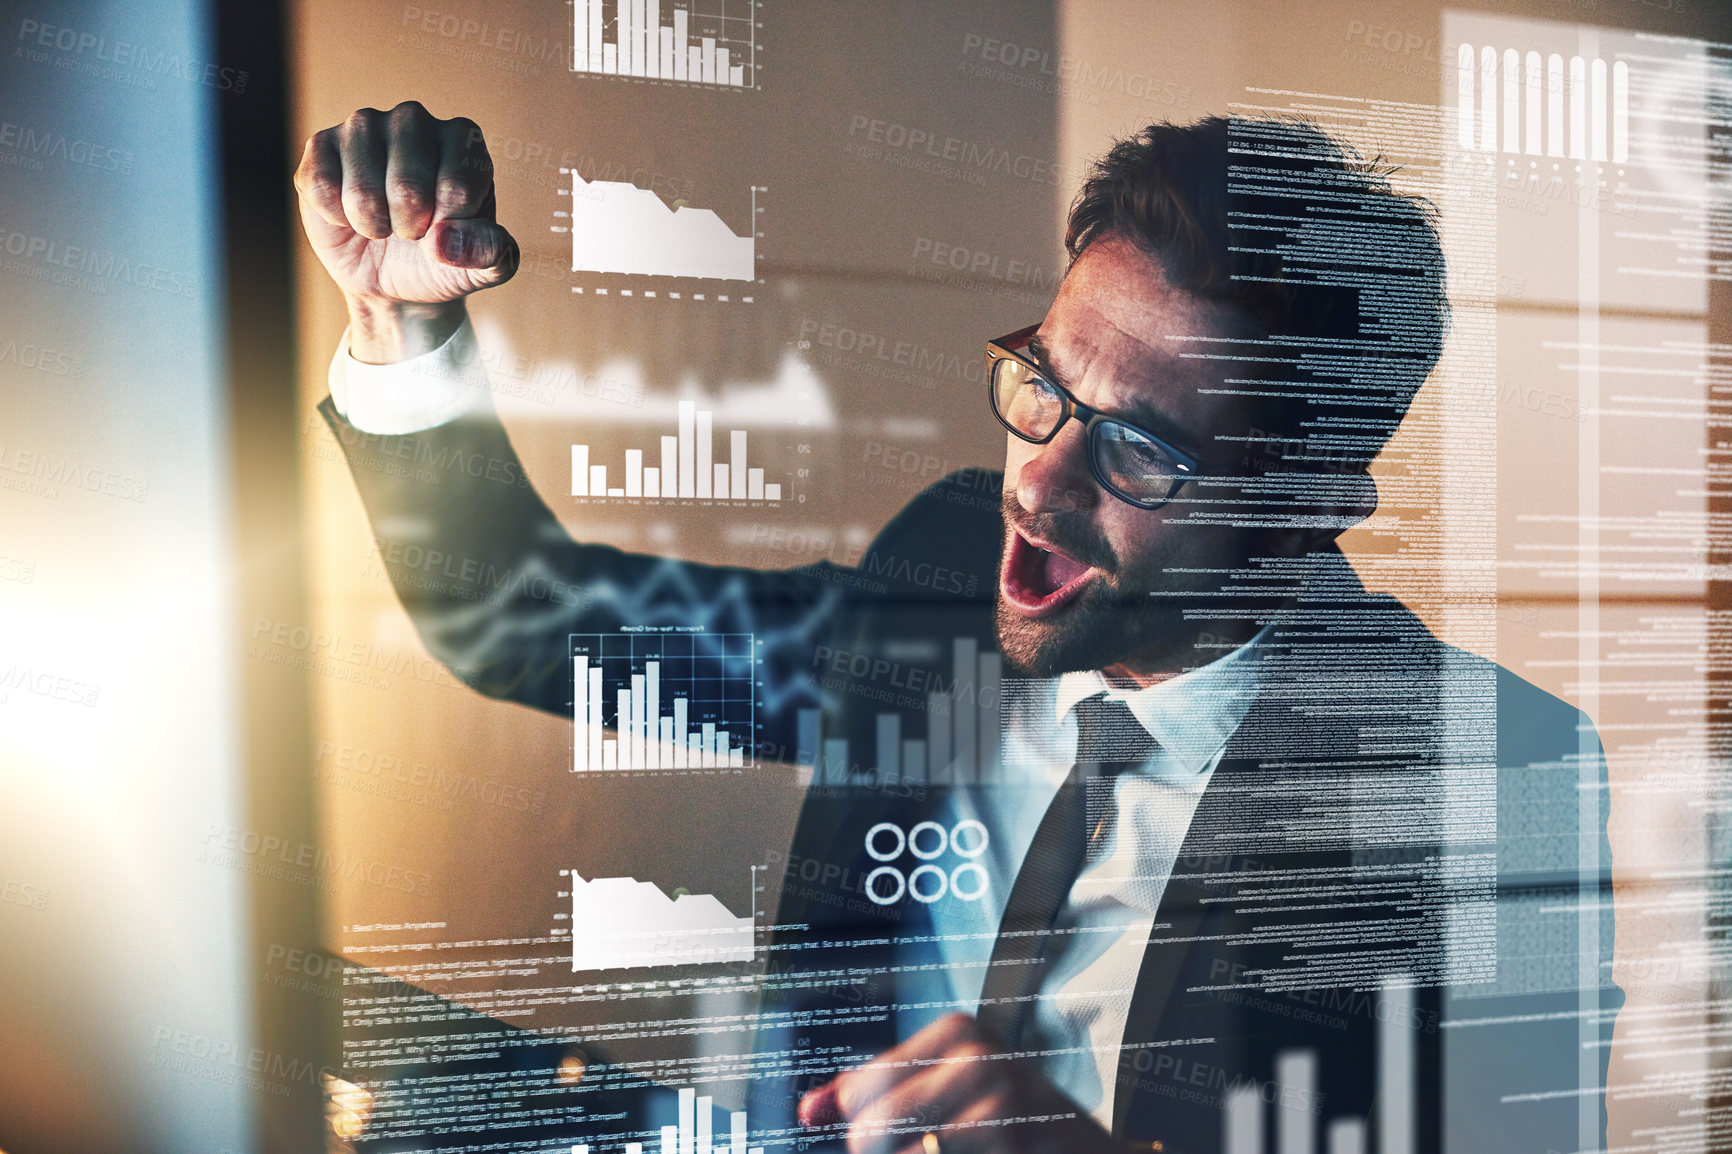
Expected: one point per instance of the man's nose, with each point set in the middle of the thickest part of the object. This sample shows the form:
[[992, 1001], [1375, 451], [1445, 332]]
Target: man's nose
[[1055, 477]]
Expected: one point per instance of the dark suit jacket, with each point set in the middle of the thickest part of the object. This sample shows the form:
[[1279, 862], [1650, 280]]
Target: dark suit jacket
[[1390, 806]]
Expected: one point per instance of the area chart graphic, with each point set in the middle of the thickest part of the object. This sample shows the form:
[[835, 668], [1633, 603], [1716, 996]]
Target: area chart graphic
[[617, 227], [622, 923]]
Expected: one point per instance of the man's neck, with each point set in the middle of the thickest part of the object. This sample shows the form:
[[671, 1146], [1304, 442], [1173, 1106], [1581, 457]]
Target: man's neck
[[1142, 672]]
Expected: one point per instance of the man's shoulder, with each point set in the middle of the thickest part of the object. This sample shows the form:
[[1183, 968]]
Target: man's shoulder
[[944, 543], [1530, 720], [1379, 657], [967, 498]]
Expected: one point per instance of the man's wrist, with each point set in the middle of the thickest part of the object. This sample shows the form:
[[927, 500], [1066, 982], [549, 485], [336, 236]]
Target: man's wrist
[[420, 391], [384, 332]]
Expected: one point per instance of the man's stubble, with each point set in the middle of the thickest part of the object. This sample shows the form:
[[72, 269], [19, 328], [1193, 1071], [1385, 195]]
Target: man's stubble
[[1108, 623], [1155, 618]]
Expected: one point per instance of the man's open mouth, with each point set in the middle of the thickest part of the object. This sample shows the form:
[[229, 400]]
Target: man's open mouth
[[1038, 579]]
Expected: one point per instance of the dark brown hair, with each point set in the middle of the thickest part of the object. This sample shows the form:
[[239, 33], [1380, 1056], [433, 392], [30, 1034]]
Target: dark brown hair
[[1340, 276]]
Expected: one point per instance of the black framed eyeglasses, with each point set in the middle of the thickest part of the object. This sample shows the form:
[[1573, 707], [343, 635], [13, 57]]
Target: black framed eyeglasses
[[1131, 463]]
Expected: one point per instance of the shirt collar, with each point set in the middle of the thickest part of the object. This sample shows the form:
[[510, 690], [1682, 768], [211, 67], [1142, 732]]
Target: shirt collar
[[1192, 715]]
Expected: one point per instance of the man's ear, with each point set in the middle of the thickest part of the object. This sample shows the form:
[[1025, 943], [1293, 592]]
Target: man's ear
[[1349, 498], [1359, 496], [1344, 504]]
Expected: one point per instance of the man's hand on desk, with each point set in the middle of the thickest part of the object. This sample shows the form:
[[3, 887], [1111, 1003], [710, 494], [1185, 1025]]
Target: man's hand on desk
[[952, 1081], [399, 207]]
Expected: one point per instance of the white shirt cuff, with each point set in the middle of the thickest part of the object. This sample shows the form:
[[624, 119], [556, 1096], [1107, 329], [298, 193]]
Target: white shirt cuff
[[409, 396]]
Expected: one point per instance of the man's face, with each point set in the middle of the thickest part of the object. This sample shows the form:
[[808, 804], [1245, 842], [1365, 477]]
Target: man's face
[[1089, 581]]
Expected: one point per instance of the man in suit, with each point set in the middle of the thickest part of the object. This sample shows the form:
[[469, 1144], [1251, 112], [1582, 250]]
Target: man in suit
[[1253, 854]]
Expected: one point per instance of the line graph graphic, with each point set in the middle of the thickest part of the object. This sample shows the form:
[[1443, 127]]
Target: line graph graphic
[[617, 227], [672, 598], [672, 700]]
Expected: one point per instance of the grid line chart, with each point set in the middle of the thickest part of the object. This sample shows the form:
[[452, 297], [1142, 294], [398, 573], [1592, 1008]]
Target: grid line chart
[[673, 700], [713, 42]]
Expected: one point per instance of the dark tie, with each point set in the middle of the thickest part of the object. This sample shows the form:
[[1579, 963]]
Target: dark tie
[[1110, 740]]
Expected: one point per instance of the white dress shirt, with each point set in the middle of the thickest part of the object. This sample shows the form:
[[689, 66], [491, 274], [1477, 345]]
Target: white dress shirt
[[412, 395], [1103, 929]]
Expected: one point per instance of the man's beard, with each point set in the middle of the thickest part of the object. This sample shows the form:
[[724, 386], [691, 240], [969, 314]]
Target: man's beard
[[1112, 620]]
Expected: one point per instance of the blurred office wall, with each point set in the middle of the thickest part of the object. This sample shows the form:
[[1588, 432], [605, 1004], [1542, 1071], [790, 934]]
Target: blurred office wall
[[123, 925]]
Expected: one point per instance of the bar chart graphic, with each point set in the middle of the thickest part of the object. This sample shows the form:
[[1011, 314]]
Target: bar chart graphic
[[1535, 94], [622, 923], [617, 227], [663, 701], [694, 1132], [711, 42], [963, 732], [1296, 1076], [688, 467]]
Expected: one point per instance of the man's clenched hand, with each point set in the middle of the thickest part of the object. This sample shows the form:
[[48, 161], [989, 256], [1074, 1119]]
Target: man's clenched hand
[[399, 207]]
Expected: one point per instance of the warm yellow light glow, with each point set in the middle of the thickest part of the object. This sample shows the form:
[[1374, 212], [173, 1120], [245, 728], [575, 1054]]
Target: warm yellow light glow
[[572, 1068], [348, 1107]]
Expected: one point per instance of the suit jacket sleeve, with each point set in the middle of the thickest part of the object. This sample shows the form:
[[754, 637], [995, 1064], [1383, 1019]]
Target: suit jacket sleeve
[[494, 583]]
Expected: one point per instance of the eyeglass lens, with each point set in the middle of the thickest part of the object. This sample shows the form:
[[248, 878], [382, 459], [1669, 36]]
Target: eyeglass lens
[[1132, 465]]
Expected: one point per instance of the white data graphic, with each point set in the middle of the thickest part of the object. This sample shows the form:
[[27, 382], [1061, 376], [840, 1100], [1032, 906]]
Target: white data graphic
[[686, 470], [622, 923], [700, 43], [617, 227], [693, 1132], [1244, 1117], [961, 745], [1534, 93], [673, 701]]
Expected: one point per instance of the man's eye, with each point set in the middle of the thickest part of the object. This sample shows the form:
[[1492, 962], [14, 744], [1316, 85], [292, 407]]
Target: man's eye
[[1044, 390], [1148, 454], [1135, 450]]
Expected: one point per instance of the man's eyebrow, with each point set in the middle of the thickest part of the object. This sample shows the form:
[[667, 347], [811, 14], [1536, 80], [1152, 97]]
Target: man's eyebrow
[[1043, 357], [1144, 416]]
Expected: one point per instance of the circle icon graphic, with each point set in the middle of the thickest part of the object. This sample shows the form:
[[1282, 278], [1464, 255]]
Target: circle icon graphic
[[927, 841]]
